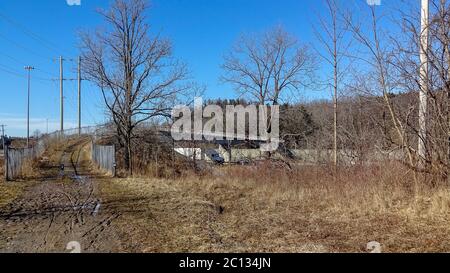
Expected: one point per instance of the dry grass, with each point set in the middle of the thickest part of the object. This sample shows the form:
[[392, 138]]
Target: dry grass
[[267, 209], [9, 192], [30, 170], [76, 148], [54, 150]]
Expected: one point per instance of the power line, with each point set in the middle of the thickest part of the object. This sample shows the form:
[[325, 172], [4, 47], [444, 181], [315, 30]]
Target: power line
[[21, 75], [44, 71], [24, 64], [24, 47], [14, 72], [12, 58], [32, 35], [49, 45]]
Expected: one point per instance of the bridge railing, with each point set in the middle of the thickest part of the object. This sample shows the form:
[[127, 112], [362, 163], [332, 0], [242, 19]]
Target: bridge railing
[[95, 131]]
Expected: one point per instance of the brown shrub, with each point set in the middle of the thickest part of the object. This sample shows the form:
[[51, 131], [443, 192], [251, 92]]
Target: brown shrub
[[270, 208], [378, 188]]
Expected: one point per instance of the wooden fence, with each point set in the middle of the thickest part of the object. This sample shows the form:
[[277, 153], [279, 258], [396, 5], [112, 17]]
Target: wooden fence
[[16, 158], [105, 158]]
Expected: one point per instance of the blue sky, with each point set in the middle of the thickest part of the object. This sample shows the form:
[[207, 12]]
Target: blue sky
[[202, 31]]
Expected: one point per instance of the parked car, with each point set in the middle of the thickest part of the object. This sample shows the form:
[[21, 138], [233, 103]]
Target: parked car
[[215, 157]]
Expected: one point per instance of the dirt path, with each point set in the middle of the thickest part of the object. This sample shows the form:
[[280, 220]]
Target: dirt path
[[57, 210]]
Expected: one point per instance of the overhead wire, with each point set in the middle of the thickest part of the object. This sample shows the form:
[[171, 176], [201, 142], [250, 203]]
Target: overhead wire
[[25, 64], [44, 42], [11, 72], [49, 45], [28, 50]]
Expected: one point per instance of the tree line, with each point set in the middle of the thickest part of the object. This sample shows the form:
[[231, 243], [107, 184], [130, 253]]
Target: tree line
[[369, 61]]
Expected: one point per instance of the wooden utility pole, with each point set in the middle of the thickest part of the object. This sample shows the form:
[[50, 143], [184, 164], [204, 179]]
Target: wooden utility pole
[[5, 152], [79, 96], [29, 68], [61, 90], [3, 137], [423, 96]]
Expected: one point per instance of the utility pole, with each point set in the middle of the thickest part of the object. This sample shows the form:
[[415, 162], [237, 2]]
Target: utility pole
[[61, 90], [79, 96], [28, 68], [3, 137], [423, 96], [5, 152]]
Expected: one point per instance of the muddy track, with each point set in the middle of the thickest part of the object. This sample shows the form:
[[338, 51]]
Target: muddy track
[[59, 210]]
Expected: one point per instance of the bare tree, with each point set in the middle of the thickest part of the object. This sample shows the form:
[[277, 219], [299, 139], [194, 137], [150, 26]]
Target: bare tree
[[444, 37], [332, 37], [383, 77], [138, 77], [265, 67], [407, 63]]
